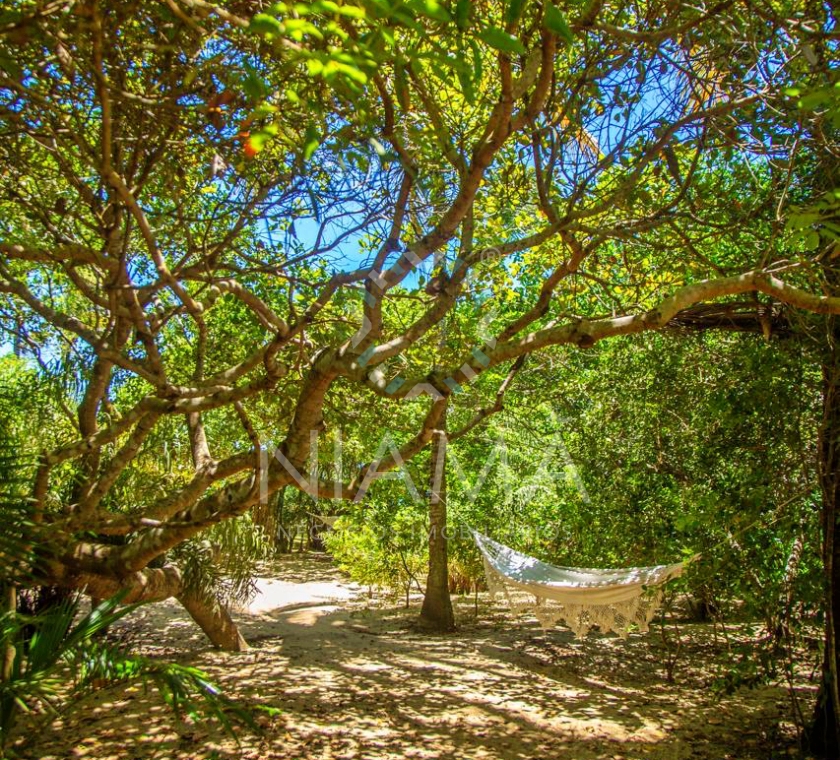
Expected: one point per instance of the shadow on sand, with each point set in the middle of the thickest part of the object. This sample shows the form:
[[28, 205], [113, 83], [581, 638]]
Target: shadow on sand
[[355, 682]]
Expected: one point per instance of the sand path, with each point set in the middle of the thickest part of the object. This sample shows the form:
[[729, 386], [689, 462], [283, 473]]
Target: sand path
[[356, 681]]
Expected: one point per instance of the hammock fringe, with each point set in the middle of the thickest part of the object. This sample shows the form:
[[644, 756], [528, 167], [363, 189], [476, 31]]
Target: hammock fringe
[[581, 598]]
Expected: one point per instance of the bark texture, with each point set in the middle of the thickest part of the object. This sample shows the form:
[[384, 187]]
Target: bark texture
[[9, 605], [824, 735], [436, 613], [214, 619], [157, 584]]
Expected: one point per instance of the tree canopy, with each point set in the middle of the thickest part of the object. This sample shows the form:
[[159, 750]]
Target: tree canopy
[[237, 236]]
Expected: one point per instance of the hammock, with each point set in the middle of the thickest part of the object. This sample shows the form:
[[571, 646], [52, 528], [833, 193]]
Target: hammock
[[580, 597]]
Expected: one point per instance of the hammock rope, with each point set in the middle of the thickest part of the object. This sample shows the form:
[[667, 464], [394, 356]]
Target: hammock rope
[[580, 597]]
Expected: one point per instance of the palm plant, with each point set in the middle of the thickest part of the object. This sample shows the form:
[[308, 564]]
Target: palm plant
[[57, 660], [53, 656]]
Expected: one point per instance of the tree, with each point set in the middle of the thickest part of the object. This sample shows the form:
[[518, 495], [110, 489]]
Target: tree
[[815, 217], [184, 182], [437, 606]]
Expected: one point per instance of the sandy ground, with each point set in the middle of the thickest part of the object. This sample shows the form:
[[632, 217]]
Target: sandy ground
[[354, 679]]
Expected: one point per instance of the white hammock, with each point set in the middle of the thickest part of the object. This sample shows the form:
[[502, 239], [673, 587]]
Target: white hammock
[[580, 597]]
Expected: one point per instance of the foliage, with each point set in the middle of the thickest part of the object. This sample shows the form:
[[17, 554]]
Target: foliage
[[235, 238], [224, 559], [630, 454], [55, 655], [54, 646], [383, 548]]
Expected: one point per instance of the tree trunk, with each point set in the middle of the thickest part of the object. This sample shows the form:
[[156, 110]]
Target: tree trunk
[[824, 736], [436, 613], [281, 534], [9, 606], [214, 619], [157, 584]]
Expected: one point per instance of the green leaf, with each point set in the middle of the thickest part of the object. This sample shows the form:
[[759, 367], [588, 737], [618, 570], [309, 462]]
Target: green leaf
[[350, 11], [7, 18], [258, 140], [432, 9], [267, 25], [380, 149], [802, 219], [404, 16], [815, 100], [388, 37], [314, 67], [254, 86], [11, 67], [263, 110], [312, 141], [462, 13], [382, 7], [478, 63], [556, 22], [351, 72], [812, 240], [467, 86], [514, 10], [501, 40]]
